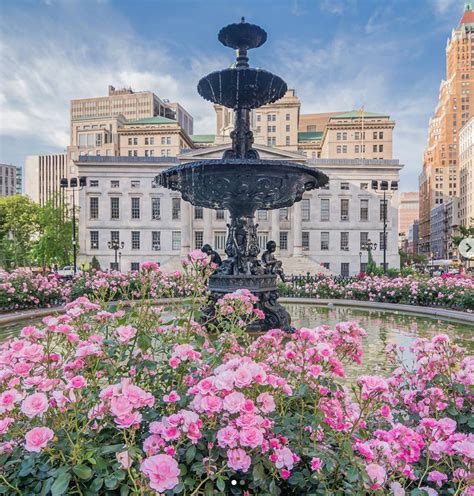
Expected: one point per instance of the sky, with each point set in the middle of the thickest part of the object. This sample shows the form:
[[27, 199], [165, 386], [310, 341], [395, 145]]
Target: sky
[[385, 55]]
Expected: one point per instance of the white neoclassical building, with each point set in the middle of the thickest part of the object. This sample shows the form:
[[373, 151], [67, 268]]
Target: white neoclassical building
[[329, 227]]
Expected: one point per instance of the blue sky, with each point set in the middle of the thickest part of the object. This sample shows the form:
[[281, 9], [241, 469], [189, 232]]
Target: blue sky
[[388, 55]]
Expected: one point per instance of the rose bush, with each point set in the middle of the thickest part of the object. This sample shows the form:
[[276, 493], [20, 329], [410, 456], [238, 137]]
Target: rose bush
[[455, 292], [104, 401]]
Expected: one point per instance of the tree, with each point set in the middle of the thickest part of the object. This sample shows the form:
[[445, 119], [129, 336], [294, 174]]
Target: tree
[[95, 263], [464, 232], [54, 244], [371, 268], [19, 226]]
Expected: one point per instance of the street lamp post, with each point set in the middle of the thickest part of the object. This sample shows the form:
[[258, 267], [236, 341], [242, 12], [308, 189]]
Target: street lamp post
[[116, 246], [384, 186], [74, 185]]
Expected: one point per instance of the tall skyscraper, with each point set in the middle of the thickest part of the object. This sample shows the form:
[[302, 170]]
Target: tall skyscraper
[[466, 174], [439, 179]]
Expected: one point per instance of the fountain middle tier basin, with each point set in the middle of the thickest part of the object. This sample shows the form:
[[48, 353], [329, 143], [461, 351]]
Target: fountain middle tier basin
[[242, 186]]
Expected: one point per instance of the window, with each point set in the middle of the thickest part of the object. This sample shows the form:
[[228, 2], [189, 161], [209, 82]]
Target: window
[[325, 240], [115, 236], [287, 141], [380, 148], [375, 134], [115, 184], [135, 266], [344, 209], [130, 141], [135, 141], [356, 148], [146, 141], [344, 148], [135, 208], [344, 136], [94, 183], [220, 214], [344, 241], [198, 213], [283, 240], [374, 148], [94, 207], [382, 241], [324, 209], [219, 240], [287, 128], [287, 117], [262, 240], [344, 186], [271, 141], [135, 184], [175, 208], [357, 135], [259, 117], [381, 135], [338, 149], [198, 239], [364, 186], [305, 240], [284, 213], [305, 209], [383, 210], [363, 266], [364, 239], [155, 240], [155, 208], [114, 266], [115, 208], [135, 240], [262, 214], [364, 209], [338, 136], [94, 240], [326, 265], [176, 240], [152, 140], [344, 269]]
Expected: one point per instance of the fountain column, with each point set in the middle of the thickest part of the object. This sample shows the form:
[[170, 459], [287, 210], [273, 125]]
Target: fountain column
[[296, 225], [185, 227], [275, 235]]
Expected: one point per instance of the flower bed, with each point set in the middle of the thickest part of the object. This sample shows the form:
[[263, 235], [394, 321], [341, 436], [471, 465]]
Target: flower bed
[[101, 402], [447, 292]]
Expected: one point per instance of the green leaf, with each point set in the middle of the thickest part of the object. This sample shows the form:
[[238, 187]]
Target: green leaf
[[220, 484], [258, 472], [111, 482], [190, 454], [209, 488], [113, 448], [96, 484], [352, 474], [82, 471], [61, 484], [124, 490]]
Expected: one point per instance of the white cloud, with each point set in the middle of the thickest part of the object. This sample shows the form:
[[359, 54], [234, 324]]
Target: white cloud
[[443, 6]]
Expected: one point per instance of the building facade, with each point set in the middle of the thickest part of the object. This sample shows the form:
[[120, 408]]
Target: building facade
[[408, 213], [412, 241], [444, 220], [440, 177], [466, 174], [8, 180], [329, 228]]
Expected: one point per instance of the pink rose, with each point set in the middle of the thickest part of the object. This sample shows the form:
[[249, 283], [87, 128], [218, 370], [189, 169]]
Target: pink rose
[[316, 464], [130, 420], [238, 459], [376, 473], [77, 382], [267, 402], [120, 406], [5, 424], [124, 459], [35, 405], [125, 333], [227, 437], [251, 437], [211, 404], [437, 477], [8, 399], [242, 376], [37, 438], [234, 402], [163, 472]]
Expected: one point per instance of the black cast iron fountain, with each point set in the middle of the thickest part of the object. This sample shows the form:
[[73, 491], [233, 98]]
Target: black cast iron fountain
[[241, 182]]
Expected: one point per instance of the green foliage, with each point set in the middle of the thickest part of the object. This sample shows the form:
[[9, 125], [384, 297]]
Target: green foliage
[[19, 224], [95, 265], [464, 232], [372, 268]]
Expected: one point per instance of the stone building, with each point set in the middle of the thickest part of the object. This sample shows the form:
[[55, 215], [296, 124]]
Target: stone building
[[407, 214], [440, 178], [8, 180], [466, 174], [329, 227]]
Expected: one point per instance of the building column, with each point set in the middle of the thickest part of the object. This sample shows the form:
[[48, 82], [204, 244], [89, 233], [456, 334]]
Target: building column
[[275, 229], [186, 226], [296, 226], [207, 222]]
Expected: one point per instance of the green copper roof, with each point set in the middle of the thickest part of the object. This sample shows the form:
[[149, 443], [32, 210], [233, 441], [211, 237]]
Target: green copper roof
[[202, 138], [158, 119], [310, 136], [356, 114]]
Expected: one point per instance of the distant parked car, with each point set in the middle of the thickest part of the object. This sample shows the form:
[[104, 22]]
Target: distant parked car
[[67, 271]]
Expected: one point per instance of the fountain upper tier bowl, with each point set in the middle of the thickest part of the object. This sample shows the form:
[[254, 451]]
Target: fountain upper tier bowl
[[242, 186]]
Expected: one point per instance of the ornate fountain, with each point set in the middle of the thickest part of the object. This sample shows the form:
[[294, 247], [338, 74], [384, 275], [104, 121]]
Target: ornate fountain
[[241, 182]]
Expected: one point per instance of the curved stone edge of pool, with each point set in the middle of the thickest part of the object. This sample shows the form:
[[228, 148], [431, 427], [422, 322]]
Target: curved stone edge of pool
[[432, 312]]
